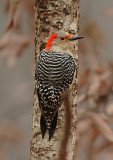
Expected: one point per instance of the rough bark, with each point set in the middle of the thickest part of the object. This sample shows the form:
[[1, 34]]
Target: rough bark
[[50, 16]]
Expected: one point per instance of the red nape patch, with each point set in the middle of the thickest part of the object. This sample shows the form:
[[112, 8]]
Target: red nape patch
[[49, 43], [69, 36]]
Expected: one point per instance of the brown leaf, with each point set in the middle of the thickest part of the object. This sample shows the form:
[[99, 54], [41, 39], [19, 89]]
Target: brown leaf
[[103, 146], [13, 4], [29, 6], [7, 5], [105, 82], [108, 12], [107, 156], [102, 126], [109, 109], [103, 88], [9, 132], [13, 45], [84, 78], [93, 87], [81, 98], [100, 69], [83, 126]]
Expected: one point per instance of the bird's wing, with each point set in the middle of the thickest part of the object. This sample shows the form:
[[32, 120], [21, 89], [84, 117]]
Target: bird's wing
[[55, 68], [54, 74]]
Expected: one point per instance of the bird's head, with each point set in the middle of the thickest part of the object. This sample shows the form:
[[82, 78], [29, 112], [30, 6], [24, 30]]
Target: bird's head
[[59, 41]]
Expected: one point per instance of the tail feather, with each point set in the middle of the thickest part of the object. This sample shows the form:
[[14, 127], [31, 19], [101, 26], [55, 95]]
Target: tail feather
[[50, 128], [43, 126], [53, 126]]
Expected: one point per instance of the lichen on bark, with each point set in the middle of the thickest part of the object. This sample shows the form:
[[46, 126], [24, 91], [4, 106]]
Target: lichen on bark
[[51, 16]]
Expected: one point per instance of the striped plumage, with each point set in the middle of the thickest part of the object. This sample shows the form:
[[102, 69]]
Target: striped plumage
[[54, 74]]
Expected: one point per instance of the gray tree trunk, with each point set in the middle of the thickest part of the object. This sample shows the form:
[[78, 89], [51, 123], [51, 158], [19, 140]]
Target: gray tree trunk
[[50, 16]]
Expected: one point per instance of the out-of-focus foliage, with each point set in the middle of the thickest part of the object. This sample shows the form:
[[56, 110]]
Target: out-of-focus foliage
[[95, 100], [108, 12], [14, 41], [10, 133]]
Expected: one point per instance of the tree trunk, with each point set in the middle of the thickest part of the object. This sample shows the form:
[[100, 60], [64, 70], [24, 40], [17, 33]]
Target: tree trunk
[[50, 16]]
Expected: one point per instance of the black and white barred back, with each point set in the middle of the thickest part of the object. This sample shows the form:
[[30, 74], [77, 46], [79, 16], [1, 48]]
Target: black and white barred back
[[54, 74]]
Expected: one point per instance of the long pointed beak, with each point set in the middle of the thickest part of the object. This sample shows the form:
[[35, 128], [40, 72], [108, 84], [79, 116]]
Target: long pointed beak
[[76, 38]]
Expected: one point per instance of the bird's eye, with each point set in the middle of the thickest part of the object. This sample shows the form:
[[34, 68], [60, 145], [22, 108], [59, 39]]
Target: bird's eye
[[62, 38]]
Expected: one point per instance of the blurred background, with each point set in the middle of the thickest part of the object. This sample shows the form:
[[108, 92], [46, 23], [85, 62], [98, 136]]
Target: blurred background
[[95, 101]]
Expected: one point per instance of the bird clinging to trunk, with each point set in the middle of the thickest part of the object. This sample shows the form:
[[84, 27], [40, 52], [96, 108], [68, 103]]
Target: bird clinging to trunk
[[55, 68]]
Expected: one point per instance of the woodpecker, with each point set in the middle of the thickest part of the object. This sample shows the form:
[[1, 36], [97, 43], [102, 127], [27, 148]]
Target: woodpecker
[[54, 74]]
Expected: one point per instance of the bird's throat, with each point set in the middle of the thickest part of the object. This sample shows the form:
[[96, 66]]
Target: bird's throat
[[60, 49]]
